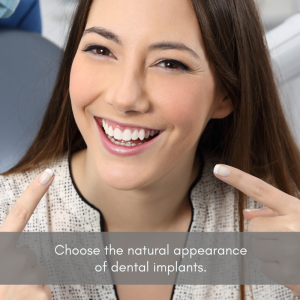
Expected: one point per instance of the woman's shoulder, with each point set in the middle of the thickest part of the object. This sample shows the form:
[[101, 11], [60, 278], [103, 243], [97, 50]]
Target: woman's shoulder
[[209, 184], [12, 186], [215, 202], [216, 190]]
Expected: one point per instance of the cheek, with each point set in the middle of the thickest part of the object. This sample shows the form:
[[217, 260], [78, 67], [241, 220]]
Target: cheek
[[82, 94], [185, 102], [83, 83]]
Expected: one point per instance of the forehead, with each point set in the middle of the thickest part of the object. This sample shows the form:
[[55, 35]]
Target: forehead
[[135, 21]]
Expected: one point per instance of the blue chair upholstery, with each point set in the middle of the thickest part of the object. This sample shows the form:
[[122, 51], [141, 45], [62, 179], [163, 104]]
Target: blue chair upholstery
[[28, 68], [27, 16]]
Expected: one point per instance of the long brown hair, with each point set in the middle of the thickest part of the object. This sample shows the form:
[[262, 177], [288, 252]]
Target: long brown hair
[[254, 138]]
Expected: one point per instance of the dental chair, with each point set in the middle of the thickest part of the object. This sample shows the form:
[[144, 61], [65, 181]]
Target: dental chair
[[28, 68]]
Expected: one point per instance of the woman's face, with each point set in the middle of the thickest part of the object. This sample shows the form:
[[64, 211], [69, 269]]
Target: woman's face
[[130, 77]]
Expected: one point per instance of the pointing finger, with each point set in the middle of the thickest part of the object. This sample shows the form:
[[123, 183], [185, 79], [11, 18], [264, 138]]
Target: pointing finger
[[24, 207], [264, 193]]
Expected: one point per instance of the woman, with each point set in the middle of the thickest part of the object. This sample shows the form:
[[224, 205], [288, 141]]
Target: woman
[[189, 80]]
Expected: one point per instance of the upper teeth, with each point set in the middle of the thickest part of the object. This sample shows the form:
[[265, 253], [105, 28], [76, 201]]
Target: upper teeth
[[127, 135]]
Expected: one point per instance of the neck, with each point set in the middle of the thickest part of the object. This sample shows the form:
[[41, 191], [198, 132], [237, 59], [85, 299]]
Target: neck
[[164, 206]]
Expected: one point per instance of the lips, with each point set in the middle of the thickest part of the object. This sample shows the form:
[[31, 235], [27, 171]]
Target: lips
[[132, 140]]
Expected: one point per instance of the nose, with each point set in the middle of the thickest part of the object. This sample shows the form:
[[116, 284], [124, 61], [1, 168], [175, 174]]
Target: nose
[[128, 93]]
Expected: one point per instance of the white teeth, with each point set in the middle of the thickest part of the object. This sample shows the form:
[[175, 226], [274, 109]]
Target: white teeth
[[135, 135], [142, 134], [128, 144], [127, 135], [110, 131], [105, 126], [118, 135]]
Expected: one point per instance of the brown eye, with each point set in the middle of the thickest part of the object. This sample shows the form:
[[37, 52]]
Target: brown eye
[[98, 50], [171, 65], [101, 51], [174, 65]]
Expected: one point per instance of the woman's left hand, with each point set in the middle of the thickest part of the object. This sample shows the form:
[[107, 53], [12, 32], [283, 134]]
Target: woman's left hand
[[280, 263]]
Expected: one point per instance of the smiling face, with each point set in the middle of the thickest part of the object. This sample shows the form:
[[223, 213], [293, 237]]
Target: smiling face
[[123, 78]]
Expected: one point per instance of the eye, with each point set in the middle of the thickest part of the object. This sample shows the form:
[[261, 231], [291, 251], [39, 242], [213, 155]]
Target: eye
[[174, 65], [98, 50]]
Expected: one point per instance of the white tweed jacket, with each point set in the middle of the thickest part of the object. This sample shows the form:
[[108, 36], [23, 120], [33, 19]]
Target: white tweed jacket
[[64, 209]]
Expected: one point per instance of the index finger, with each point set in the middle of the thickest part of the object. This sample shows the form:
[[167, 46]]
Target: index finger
[[257, 189], [24, 207]]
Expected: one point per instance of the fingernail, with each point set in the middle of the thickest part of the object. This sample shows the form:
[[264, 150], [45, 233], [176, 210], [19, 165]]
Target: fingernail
[[220, 170], [253, 209], [46, 176]]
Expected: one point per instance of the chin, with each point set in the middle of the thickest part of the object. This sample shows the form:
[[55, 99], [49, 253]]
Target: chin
[[123, 181], [124, 185]]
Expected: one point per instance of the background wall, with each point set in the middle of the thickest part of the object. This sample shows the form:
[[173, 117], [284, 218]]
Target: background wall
[[56, 16], [274, 12]]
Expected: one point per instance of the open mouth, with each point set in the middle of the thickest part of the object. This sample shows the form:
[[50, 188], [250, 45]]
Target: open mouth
[[130, 137]]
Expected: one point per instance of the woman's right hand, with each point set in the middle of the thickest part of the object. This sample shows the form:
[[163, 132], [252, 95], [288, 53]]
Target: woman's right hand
[[20, 263]]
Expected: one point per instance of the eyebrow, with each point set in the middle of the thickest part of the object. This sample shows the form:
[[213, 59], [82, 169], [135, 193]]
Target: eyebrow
[[165, 45]]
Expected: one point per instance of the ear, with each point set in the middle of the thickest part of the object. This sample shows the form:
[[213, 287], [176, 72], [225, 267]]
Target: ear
[[222, 109]]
